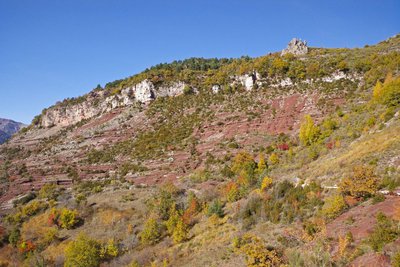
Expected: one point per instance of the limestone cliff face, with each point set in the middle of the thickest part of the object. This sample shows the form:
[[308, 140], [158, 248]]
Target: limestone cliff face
[[99, 102]]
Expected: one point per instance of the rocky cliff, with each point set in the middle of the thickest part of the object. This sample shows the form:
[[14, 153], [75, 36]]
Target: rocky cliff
[[100, 102]]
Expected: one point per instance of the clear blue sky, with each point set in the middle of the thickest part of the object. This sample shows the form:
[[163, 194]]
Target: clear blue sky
[[53, 49]]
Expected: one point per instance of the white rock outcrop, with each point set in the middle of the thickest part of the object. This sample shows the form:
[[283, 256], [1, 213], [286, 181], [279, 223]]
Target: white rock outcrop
[[144, 91], [296, 47], [173, 89], [216, 88]]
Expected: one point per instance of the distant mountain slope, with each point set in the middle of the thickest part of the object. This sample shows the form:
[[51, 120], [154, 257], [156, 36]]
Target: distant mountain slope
[[8, 128]]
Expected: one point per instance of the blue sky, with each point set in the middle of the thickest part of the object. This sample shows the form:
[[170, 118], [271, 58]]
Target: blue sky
[[53, 49]]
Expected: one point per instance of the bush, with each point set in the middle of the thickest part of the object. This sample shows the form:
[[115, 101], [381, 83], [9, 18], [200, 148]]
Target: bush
[[266, 183], [274, 159], [363, 182], [33, 208], [334, 206], [378, 198], [232, 192], [109, 250], [48, 191], [187, 90], [257, 254], [82, 252], [385, 231], [68, 218], [243, 161], [396, 260], [64, 218], [216, 208], [14, 236]]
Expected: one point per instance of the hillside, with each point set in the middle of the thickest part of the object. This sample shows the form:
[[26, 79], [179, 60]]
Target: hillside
[[8, 128], [286, 158]]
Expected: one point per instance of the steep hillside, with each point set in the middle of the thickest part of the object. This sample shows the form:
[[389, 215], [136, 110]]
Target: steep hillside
[[215, 162]]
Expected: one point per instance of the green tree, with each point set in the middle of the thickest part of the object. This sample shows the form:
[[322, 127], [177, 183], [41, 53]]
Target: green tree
[[309, 132], [82, 252], [216, 208]]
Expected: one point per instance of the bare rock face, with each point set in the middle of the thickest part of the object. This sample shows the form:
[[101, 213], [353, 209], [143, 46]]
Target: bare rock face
[[296, 47], [144, 91], [98, 103], [247, 80], [173, 89]]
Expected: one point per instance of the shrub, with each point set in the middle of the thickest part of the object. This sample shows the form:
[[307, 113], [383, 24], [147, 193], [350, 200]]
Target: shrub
[[48, 191], [68, 218], [362, 183], [385, 231], [243, 163], [187, 90], [334, 206], [64, 218], [232, 192], [215, 208], [26, 247], [14, 236], [33, 208], [396, 260], [378, 198], [109, 250], [257, 254], [266, 183], [193, 207], [274, 159], [151, 232], [83, 252]]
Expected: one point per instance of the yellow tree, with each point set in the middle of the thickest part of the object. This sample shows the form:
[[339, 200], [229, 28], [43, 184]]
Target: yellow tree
[[363, 182], [309, 132], [274, 158], [377, 92], [261, 165]]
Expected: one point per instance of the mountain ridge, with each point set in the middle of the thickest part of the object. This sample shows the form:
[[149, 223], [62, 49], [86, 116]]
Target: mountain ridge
[[8, 128]]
